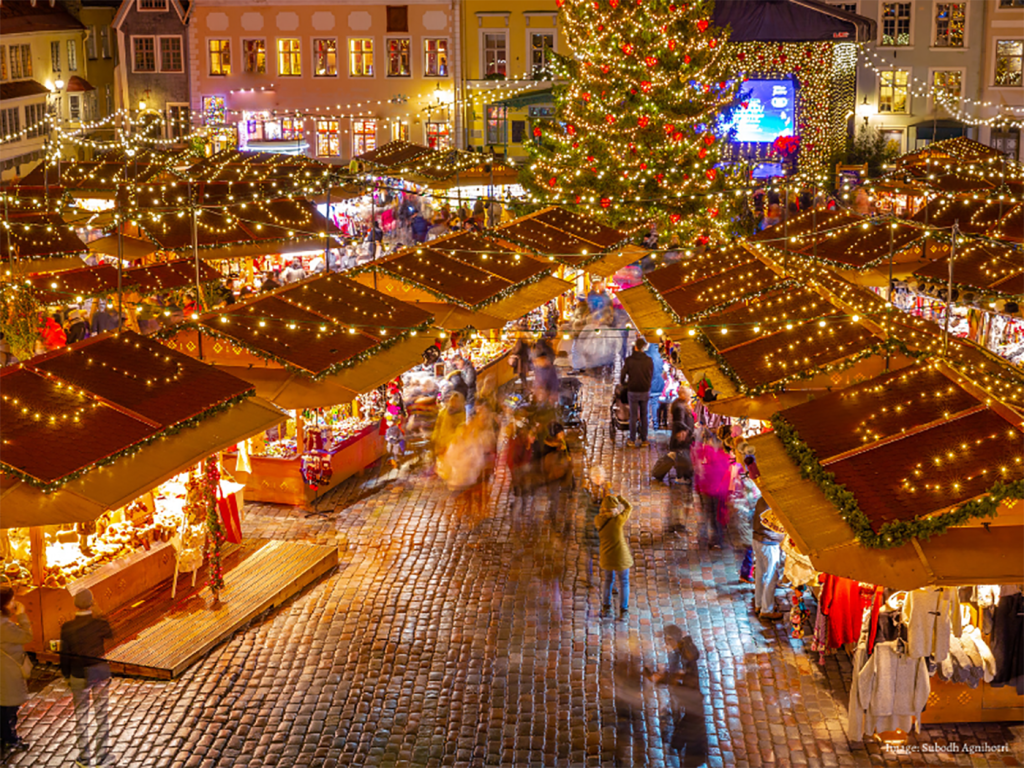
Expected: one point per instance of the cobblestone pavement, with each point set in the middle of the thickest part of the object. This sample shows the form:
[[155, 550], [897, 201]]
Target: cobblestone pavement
[[436, 643]]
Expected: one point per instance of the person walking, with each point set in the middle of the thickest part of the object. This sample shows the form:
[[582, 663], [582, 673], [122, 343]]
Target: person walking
[[767, 563], [15, 632], [712, 473], [615, 557], [637, 372], [88, 674], [465, 367]]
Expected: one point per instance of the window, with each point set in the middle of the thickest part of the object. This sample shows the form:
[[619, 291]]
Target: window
[[9, 124], [496, 124], [289, 57], [435, 57], [73, 55], [494, 54], [360, 57], [178, 119], [896, 24], [848, 7], [398, 18], [21, 61], [398, 57], [152, 5], [399, 131], [170, 54], [220, 57], [108, 93], [439, 135], [893, 141], [74, 108], [946, 85], [105, 42], [3, 62], [949, 25], [278, 129], [893, 92], [1008, 62], [541, 46], [1006, 142], [255, 54], [364, 136], [325, 57], [1011, 3], [55, 55], [144, 54], [90, 43], [328, 138], [213, 110], [35, 120]]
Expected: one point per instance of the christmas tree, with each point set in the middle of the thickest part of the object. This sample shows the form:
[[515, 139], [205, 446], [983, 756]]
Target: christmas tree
[[637, 129]]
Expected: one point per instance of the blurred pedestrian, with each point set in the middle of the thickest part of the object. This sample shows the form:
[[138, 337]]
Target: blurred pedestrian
[[712, 474], [465, 367], [556, 474], [521, 355], [293, 272], [545, 380], [615, 558], [636, 375], [630, 736], [669, 392], [77, 328], [767, 560], [82, 662], [15, 632], [594, 492]]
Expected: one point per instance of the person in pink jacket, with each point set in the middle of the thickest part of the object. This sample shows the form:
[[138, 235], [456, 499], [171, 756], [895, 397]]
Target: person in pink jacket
[[712, 471]]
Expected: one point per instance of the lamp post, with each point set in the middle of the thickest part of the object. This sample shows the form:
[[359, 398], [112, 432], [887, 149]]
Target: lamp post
[[53, 114]]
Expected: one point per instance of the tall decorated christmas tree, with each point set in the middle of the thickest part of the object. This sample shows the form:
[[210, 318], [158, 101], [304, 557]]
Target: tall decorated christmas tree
[[637, 130]]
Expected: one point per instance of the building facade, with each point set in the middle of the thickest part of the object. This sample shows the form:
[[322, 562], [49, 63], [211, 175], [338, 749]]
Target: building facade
[[922, 71], [329, 79], [152, 78], [1002, 93], [43, 81], [508, 88]]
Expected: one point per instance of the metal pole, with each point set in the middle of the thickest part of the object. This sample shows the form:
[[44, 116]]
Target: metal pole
[[327, 231], [949, 289], [889, 309], [195, 250], [120, 261]]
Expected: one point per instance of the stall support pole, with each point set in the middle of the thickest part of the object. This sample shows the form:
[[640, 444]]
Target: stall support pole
[[37, 552], [889, 309], [120, 263], [949, 288], [195, 256], [327, 231]]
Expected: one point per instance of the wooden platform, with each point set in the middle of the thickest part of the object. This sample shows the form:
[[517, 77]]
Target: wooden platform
[[258, 576]]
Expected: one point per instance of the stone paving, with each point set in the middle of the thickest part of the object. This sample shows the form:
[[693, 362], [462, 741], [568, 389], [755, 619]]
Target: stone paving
[[442, 640]]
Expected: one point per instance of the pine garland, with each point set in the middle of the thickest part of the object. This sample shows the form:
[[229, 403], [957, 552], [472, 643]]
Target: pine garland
[[898, 532], [214, 526]]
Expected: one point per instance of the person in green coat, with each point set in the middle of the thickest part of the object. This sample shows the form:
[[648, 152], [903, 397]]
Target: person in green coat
[[615, 558]]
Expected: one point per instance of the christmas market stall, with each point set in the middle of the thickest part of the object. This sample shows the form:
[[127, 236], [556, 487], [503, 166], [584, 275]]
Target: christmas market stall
[[439, 169], [104, 444], [38, 242], [907, 491], [321, 349]]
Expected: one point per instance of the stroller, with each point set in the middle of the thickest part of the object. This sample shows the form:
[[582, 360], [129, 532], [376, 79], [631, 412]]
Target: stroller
[[570, 405], [619, 411]]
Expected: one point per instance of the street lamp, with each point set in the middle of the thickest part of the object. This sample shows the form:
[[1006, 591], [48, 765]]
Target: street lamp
[[53, 114], [864, 110]]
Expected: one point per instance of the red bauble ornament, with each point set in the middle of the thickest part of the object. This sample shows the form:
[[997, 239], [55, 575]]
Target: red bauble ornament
[[605, 68], [741, 55], [577, 198], [643, 166], [713, 213], [669, 127], [536, 132], [585, 96], [712, 43], [645, 86], [575, 145], [711, 173], [782, 58], [709, 139], [660, 177], [643, 121], [672, 8], [559, 3], [590, 158], [606, 202], [609, 119], [570, 129], [702, 25], [686, 59], [600, 27], [613, 3], [627, 49], [702, 153], [650, 61], [671, 45], [632, 91], [553, 181], [677, 136], [675, 217]]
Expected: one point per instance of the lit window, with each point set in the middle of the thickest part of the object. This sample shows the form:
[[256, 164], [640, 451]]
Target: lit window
[[541, 46], [435, 51], [220, 57], [328, 138], [170, 54], [495, 55], [364, 136], [896, 24], [35, 120], [360, 57], [893, 92], [398, 57], [255, 53], [55, 55], [3, 62], [947, 86], [949, 25], [9, 123], [439, 135], [496, 124], [1008, 62], [289, 57], [72, 56], [74, 108], [105, 42], [214, 110], [325, 57], [144, 54], [177, 121], [90, 43]]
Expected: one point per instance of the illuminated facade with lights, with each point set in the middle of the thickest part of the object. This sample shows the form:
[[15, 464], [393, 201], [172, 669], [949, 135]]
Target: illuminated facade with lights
[[328, 79]]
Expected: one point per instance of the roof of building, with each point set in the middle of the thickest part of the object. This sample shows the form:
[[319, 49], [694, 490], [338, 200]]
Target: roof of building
[[19, 89], [27, 17]]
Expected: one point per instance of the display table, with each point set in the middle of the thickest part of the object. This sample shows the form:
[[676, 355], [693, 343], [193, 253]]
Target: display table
[[498, 371], [279, 480]]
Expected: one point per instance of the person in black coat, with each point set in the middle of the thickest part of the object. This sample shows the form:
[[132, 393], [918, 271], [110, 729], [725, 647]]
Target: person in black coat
[[637, 373], [82, 662]]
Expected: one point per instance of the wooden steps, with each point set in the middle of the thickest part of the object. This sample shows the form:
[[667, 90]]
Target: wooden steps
[[262, 577]]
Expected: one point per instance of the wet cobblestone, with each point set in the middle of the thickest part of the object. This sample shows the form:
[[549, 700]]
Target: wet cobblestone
[[436, 644]]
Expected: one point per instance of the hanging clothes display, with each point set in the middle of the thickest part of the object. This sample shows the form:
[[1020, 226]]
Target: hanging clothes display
[[892, 690], [1008, 639], [930, 615], [842, 604]]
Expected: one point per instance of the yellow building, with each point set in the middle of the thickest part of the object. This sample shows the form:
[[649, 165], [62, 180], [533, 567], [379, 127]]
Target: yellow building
[[506, 56]]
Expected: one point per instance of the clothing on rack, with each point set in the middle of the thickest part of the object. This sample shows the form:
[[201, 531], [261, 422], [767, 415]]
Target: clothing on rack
[[1008, 640], [843, 605], [892, 690], [930, 614]]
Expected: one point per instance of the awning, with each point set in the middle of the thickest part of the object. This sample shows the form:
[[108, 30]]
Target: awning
[[78, 84], [31, 266], [610, 263], [648, 314], [131, 247], [453, 317], [245, 250], [937, 130], [960, 557], [116, 484], [290, 391], [528, 298], [529, 98]]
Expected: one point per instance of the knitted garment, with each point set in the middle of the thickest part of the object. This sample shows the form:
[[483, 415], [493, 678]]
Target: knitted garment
[[930, 615], [892, 690], [843, 605]]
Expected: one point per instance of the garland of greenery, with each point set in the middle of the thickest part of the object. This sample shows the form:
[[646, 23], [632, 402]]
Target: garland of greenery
[[714, 310], [192, 421], [503, 233], [173, 330], [215, 537], [898, 532], [832, 263], [661, 300]]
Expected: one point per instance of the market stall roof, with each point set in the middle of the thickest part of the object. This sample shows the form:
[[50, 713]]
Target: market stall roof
[[920, 461], [983, 266], [37, 236], [437, 168], [570, 238], [100, 178], [314, 328], [988, 217], [958, 150], [788, 21], [70, 412], [68, 286], [130, 248]]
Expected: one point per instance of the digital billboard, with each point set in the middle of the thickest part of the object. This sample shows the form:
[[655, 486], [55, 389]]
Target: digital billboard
[[767, 111]]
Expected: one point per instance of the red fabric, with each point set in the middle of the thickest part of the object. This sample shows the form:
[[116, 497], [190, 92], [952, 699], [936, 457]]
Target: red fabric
[[843, 606], [876, 604], [229, 517]]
